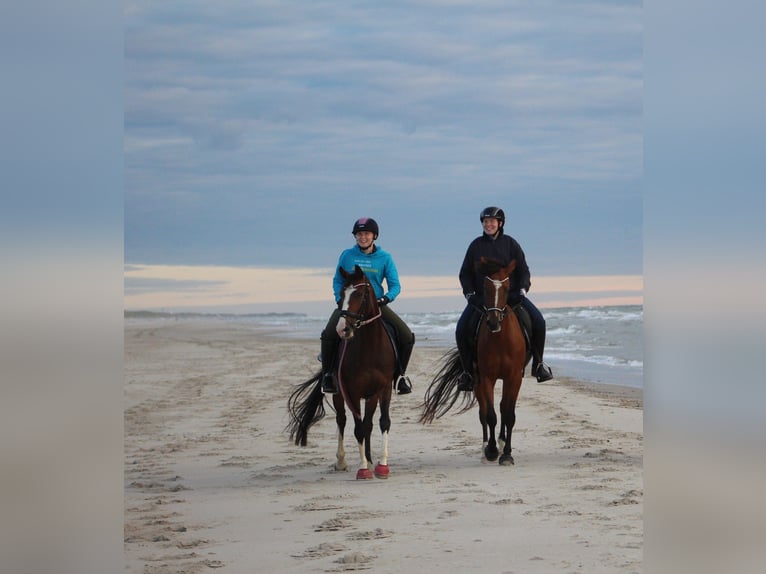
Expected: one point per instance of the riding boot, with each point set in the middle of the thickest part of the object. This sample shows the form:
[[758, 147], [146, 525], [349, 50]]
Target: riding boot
[[539, 369], [403, 384], [329, 377]]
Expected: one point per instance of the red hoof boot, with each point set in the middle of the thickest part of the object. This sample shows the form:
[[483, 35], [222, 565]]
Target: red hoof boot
[[363, 474], [381, 470]]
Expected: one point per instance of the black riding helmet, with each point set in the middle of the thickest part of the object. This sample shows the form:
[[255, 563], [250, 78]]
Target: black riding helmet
[[366, 224], [495, 212]]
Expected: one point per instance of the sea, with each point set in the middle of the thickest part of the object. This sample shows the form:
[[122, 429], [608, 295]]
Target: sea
[[592, 344]]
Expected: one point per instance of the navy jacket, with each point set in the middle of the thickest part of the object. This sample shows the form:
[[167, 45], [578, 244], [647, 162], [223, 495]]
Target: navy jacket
[[504, 249]]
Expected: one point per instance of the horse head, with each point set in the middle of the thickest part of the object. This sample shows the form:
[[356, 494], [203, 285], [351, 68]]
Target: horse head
[[497, 283], [358, 304]]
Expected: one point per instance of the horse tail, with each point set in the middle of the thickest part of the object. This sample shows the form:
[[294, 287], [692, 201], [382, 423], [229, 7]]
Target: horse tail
[[442, 394], [306, 408]]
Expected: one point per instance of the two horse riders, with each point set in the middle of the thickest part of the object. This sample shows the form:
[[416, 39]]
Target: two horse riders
[[493, 243], [378, 266]]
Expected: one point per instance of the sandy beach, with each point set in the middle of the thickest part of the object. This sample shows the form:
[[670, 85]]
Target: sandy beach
[[212, 481]]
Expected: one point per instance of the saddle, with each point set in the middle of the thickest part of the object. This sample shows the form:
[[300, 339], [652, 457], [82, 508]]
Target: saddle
[[393, 338]]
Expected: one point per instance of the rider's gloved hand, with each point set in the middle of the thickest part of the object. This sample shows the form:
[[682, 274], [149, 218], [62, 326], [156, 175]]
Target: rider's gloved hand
[[383, 301], [523, 292]]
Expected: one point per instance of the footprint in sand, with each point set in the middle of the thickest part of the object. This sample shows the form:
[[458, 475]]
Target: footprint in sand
[[354, 559], [376, 534], [321, 551], [332, 525]]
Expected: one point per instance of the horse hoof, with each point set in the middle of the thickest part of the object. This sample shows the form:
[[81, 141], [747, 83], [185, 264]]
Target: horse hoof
[[364, 474], [490, 455], [381, 470], [506, 460]]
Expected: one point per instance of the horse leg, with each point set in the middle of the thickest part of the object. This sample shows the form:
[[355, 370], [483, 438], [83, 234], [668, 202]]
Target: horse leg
[[340, 420], [381, 469], [488, 418], [363, 472], [482, 411], [362, 432], [483, 422], [508, 420], [502, 438], [490, 451]]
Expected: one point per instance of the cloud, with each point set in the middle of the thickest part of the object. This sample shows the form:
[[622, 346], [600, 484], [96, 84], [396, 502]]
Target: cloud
[[241, 118]]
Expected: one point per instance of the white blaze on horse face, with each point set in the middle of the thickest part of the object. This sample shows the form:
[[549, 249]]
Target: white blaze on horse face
[[497, 284], [341, 326]]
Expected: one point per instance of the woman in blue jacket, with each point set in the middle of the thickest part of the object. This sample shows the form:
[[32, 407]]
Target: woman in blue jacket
[[378, 266]]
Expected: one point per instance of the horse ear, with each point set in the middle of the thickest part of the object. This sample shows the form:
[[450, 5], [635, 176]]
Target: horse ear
[[358, 270], [511, 267], [343, 273]]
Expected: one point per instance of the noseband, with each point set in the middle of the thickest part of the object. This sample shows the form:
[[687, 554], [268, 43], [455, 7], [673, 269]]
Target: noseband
[[359, 318]]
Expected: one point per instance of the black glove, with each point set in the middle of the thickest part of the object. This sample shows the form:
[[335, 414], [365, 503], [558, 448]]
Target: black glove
[[383, 301]]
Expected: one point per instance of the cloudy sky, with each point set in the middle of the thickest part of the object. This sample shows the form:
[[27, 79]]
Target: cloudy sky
[[256, 132]]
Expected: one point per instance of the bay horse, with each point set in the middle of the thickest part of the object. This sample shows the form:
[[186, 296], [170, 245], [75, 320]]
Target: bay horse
[[501, 353], [366, 368]]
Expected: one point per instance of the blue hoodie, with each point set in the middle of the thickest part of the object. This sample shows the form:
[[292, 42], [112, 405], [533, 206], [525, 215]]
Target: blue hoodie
[[377, 266]]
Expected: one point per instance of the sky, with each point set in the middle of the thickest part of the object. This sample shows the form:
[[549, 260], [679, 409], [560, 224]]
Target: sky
[[255, 133]]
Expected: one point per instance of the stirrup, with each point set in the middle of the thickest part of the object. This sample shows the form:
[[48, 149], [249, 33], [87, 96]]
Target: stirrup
[[329, 384], [404, 385], [543, 373]]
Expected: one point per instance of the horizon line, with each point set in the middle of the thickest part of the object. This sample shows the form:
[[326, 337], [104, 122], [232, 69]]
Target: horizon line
[[150, 287]]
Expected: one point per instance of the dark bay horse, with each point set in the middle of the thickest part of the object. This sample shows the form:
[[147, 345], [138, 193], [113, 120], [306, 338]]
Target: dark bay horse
[[366, 368], [501, 353]]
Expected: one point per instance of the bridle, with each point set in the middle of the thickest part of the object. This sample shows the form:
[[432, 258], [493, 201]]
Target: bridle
[[359, 319], [501, 312]]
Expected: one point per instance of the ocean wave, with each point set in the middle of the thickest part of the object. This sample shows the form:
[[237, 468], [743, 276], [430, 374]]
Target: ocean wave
[[608, 339], [606, 360]]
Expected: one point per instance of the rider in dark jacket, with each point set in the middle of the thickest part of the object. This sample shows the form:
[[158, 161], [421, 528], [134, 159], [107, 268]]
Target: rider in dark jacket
[[494, 244]]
